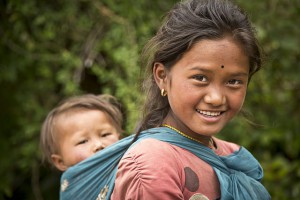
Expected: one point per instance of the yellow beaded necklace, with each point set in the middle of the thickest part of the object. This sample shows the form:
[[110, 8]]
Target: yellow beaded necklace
[[211, 142]]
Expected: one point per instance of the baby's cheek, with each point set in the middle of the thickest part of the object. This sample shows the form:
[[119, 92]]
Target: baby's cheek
[[80, 156], [111, 140]]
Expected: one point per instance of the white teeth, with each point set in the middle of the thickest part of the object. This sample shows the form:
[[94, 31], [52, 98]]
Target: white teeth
[[208, 113]]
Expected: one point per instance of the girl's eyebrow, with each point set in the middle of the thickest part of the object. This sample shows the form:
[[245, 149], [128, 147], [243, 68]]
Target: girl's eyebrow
[[209, 71], [201, 69], [240, 74]]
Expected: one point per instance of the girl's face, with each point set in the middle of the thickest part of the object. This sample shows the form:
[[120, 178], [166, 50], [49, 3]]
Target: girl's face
[[81, 133], [206, 87]]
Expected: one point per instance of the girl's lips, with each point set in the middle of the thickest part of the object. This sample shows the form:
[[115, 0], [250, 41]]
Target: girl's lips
[[210, 116], [210, 113]]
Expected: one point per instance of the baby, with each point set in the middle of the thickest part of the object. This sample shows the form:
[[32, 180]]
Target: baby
[[79, 127]]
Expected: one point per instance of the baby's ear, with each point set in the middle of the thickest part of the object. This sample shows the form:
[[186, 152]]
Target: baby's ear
[[58, 162]]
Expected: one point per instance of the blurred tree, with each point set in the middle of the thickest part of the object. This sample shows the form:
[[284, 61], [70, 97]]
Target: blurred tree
[[53, 49], [273, 98]]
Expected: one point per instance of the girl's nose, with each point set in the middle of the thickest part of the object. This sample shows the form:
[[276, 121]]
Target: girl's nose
[[215, 96]]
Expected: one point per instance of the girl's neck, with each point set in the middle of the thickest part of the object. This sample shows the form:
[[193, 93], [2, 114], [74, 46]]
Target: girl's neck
[[205, 140]]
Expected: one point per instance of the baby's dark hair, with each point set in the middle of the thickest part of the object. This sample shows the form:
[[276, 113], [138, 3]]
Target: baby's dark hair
[[105, 103], [186, 24]]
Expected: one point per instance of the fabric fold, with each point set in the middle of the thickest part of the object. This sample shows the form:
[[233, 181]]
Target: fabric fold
[[239, 174]]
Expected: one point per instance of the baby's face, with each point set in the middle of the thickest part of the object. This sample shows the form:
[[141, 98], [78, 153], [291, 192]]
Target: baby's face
[[81, 134]]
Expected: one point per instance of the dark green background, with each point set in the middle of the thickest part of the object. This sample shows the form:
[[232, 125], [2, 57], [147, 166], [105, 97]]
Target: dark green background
[[50, 50]]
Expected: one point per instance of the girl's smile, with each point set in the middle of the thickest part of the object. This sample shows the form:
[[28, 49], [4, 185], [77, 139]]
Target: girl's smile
[[210, 116]]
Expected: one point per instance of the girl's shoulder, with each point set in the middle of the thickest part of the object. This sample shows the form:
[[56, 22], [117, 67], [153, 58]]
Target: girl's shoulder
[[150, 152], [225, 148], [152, 147], [150, 165]]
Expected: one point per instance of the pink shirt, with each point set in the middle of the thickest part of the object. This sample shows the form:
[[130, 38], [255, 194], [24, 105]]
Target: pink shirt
[[153, 170]]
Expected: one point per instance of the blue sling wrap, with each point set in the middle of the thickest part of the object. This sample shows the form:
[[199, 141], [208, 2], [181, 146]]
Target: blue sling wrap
[[239, 173]]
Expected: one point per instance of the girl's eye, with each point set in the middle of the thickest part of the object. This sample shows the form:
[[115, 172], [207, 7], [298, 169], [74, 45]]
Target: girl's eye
[[235, 82], [201, 78], [82, 142]]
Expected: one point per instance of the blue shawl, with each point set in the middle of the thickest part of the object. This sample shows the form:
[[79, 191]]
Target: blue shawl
[[239, 174]]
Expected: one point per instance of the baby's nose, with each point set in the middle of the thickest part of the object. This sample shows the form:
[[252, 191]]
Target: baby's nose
[[98, 146]]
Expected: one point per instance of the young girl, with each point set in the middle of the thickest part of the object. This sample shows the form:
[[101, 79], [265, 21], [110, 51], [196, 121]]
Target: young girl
[[78, 128], [200, 64]]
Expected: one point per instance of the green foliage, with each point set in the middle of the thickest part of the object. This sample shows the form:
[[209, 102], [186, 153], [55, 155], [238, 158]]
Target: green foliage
[[274, 97], [50, 50]]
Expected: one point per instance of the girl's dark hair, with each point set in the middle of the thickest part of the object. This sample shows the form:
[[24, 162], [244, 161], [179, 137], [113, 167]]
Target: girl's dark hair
[[184, 25]]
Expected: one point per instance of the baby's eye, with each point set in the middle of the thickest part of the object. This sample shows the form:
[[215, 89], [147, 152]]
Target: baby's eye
[[105, 134], [201, 78], [82, 141]]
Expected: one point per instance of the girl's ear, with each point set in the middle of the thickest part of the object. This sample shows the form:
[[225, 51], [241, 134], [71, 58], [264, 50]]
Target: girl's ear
[[160, 75], [58, 162]]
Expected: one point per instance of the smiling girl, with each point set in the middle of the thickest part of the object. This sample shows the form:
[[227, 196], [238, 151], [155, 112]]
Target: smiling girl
[[199, 66]]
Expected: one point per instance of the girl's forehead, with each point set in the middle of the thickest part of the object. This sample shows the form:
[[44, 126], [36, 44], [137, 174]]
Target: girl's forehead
[[220, 54], [217, 44]]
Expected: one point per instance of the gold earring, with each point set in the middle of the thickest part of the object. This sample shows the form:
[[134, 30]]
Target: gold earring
[[163, 92]]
